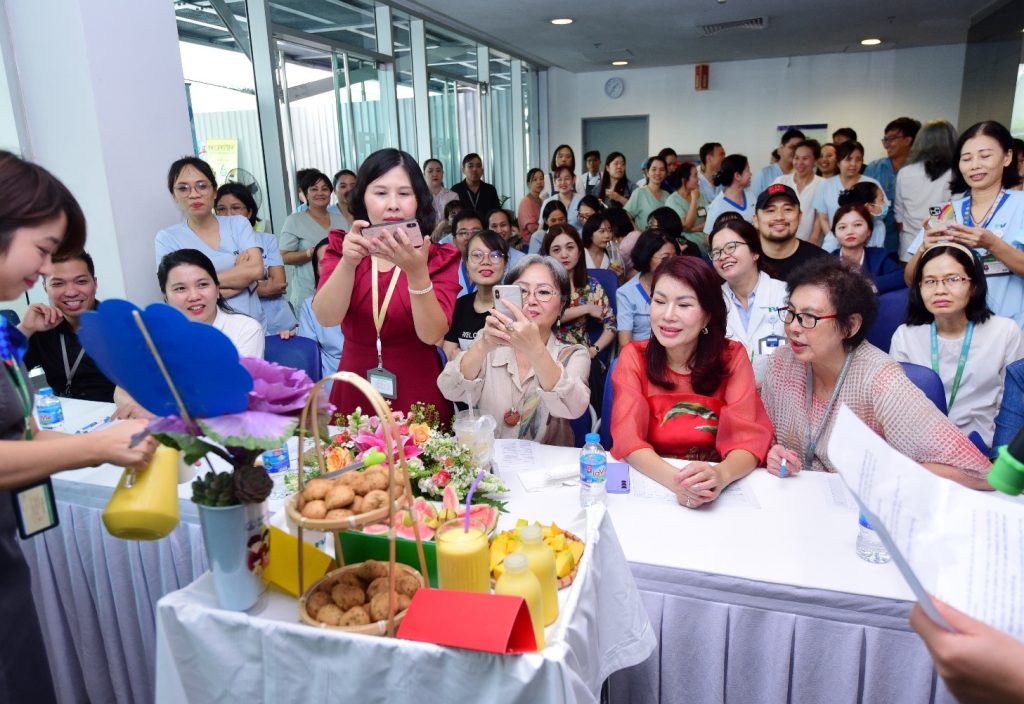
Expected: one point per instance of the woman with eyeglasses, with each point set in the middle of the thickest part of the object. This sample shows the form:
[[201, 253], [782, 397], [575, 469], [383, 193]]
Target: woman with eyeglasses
[[688, 392], [517, 370], [751, 295], [950, 328], [485, 261], [236, 199], [301, 232], [828, 363], [229, 241]]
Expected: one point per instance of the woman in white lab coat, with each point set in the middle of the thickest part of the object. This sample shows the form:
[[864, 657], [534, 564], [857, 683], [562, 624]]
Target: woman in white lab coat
[[752, 297]]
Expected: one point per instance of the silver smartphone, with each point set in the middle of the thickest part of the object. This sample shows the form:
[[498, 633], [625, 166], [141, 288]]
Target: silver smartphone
[[510, 293], [411, 228]]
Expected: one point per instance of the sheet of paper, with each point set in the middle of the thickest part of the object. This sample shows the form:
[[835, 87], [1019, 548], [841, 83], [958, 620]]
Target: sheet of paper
[[836, 493], [540, 479], [515, 455], [966, 547], [736, 494]]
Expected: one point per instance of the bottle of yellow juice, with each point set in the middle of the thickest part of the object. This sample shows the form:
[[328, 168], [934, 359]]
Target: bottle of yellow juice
[[518, 580], [542, 564]]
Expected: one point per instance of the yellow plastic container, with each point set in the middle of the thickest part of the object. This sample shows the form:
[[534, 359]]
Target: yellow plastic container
[[518, 580], [146, 508], [542, 564]]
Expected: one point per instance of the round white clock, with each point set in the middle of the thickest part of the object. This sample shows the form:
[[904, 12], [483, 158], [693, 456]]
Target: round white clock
[[614, 88]]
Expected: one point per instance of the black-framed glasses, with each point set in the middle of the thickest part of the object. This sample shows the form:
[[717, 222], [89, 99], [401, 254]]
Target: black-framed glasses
[[727, 248], [805, 320], [494, 256]]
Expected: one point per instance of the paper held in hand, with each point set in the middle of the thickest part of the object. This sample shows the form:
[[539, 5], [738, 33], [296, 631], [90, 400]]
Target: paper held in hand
[[966, 547]]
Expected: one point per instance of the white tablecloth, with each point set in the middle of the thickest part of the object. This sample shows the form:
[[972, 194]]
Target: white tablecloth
[[602, 628]]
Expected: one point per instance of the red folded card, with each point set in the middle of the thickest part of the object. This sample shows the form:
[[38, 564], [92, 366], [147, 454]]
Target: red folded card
[[489, 622]]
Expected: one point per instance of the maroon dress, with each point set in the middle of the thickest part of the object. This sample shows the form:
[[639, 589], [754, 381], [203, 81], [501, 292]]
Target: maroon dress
[[416, 365]]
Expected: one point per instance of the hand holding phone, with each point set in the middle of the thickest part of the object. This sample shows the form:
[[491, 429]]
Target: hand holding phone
[[411, 228], [511, 293]]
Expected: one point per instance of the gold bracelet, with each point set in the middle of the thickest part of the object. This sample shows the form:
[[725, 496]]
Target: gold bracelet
[[422, 291]]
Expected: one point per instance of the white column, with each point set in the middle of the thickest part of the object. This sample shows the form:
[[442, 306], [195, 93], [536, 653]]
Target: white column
[[421, 89], [101, 88]]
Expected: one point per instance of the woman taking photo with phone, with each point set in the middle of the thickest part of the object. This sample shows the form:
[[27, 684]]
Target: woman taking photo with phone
[[393, 299], [486, 259], [39, 219]]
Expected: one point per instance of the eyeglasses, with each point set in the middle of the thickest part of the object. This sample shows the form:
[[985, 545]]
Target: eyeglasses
[[947, 281], [468, 233], [728, 248], [892, 138], [235, 208], [201, 187], [542, 294], [494, 256], [805, 320]]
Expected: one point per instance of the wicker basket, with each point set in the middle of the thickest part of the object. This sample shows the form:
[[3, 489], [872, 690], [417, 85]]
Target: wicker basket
[[392, 446], [327, 582]]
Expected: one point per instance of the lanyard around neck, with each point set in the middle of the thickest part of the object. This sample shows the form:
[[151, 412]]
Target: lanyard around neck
[[813, 437], [380, 312], [965, 348], [23, 393], [470, 286], [988, 216], [69, 371]]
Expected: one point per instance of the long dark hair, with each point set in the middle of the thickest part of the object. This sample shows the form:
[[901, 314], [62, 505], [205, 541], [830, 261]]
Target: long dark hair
[[579, 273], [606, 179], [30, 195], [316, 264], [378, 164], [977, 310], [190, 257], [707, 368], [995, 130]]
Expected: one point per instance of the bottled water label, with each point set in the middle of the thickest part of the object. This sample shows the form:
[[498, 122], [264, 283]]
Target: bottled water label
[[51, 415], [593, 469], [276, 460]]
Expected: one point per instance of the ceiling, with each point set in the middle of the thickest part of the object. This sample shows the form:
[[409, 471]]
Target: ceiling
[[659, 33]]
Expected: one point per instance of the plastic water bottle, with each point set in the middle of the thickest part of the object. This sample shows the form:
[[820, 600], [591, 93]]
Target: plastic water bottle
[[869, 545], [277, 462], [593, 471], [48, 410]]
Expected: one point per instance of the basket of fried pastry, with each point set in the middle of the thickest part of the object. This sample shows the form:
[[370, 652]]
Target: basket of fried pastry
[[355, 598], [355, 499]]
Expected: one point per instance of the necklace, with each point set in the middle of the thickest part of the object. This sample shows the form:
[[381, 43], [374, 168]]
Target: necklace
[[812, 437]]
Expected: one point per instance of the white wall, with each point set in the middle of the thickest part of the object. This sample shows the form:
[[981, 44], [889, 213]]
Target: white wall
[[747, 100]]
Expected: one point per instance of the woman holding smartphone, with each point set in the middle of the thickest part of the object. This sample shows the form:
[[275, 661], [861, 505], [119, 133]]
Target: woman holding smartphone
[[39, 219], [393, 299]]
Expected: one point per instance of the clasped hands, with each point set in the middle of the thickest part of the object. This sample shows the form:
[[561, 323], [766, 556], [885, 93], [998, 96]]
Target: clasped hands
[[697, 483]]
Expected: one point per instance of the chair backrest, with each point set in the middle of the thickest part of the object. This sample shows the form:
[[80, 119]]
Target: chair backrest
[[892, 309], [583, 425], [12, 316], [929, 382], [606, 407], [297, 352]]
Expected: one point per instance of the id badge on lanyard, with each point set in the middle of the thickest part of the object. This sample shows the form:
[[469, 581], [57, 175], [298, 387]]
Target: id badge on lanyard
[[383, 381]]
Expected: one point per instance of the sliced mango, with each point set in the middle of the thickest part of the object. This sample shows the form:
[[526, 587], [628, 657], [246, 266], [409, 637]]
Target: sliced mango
[[563, 564], [558, 543], [576, 548]]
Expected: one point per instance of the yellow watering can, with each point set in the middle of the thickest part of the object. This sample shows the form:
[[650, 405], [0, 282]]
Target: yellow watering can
[[145, 503]]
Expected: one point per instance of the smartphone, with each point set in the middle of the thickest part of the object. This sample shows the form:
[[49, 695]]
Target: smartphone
[[617, 478], [508, 293], [941, 215], [411, 228]]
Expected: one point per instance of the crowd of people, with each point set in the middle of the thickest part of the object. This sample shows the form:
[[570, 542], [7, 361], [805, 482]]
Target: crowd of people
[[726, 312]]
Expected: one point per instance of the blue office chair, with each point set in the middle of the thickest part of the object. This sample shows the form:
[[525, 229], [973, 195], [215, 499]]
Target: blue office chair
[[583, 425], [892, 310], [609, 281], [297, 352], [929, 382], [606, 408]]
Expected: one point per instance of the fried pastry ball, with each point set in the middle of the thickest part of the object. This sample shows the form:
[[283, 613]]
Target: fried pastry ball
[[331, 614], [372, 569], [316, 489], [315, 602], [406, 584], [377, 586], [356, 616], [315, 509], [379, 605], [339, 496], [338, 514], [374, 500], [346, 596]]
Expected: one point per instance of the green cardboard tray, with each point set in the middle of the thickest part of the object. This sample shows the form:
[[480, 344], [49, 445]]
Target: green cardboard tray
[[359, 547]]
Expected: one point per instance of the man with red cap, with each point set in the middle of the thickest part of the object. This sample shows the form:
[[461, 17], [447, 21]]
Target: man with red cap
[[777, 218]]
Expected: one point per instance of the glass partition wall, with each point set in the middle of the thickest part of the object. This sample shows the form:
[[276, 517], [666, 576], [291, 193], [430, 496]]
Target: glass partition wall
[[350, 78]]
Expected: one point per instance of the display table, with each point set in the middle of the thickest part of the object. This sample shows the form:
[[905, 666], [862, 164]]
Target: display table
[[757, 598], [602, 628]]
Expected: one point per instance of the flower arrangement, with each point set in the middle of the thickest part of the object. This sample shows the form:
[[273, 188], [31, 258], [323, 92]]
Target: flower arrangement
[[436, 459], [275, 402]]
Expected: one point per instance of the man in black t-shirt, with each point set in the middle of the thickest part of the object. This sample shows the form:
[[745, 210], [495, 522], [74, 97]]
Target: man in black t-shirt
[[777, 217], [52, 332]]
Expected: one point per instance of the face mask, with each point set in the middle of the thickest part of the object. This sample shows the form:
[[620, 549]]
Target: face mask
[[884, 211]]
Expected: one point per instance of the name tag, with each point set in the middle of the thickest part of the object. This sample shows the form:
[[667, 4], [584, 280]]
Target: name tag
[[770, 343], [994, 267], [35, 509], [702, 212], [384, 382]]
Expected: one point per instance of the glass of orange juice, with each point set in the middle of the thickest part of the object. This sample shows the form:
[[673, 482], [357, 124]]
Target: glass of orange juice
[[463, 562]]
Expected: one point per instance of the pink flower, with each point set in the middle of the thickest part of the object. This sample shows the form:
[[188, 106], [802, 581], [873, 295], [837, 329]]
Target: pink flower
[[375, 441], [441, 479]]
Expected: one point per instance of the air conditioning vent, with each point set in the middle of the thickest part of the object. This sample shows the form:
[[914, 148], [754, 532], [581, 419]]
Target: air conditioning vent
[[709, 30]]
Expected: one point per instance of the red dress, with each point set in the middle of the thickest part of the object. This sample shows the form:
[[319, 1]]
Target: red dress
[[682, 423], [416, 365]]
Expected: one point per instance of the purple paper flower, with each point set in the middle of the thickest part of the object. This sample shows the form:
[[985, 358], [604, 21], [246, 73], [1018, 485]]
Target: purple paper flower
[[280, 390]]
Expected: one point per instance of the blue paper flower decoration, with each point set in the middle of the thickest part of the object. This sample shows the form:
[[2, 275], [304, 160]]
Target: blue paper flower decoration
[[200, 359]]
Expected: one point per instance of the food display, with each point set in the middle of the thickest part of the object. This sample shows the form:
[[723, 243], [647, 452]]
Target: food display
[[344, 498], [356, 596], [431, 518], [568, 549]]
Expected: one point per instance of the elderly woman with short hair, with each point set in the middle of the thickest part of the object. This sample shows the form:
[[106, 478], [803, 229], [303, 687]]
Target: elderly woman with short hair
[[517, 370]]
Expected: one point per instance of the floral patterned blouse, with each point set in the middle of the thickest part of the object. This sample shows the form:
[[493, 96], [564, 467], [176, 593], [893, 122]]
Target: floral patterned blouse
[[574, 332]]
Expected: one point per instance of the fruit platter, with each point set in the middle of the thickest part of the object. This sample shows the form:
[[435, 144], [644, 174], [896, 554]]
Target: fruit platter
[[568, 549], [431, 517]]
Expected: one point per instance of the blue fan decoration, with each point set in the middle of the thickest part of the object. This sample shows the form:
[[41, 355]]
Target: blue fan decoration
[[200, 360]]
